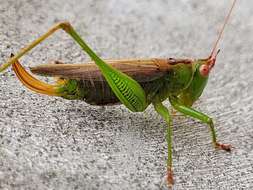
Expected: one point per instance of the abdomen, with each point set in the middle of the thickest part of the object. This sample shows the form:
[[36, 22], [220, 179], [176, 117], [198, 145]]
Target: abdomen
[[100, 93]]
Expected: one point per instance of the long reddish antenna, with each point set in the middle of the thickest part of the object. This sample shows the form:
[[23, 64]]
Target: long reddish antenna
[[222, 29]]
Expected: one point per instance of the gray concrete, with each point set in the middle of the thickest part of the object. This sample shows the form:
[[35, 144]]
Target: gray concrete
[[51, 143]]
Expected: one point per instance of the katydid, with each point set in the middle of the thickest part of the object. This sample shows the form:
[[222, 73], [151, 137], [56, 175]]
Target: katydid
[[136, 83]]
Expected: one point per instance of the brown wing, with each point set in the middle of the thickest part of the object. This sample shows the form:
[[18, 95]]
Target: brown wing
[[142, 70]]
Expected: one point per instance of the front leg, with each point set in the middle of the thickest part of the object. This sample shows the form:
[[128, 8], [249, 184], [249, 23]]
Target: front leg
[[127, 90], [202, 117]]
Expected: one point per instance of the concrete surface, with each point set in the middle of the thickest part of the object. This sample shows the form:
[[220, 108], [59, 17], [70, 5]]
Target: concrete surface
[[51, 143]]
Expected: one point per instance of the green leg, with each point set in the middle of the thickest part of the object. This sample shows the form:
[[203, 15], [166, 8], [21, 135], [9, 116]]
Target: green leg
[[202, 117], [164, 112], [128, 91]]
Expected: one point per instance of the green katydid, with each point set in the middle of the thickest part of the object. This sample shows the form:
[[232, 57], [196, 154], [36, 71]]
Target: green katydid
[[136, 83]]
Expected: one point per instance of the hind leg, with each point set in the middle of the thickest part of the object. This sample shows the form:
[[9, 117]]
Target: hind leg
[[127, 90]]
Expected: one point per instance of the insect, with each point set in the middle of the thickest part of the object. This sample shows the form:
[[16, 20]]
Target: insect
[[136, 83]]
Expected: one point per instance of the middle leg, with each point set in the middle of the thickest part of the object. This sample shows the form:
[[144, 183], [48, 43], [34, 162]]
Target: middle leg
[[164, 112]]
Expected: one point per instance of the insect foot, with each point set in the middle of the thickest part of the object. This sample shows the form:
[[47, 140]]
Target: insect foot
[[226, 147], [170, 179]]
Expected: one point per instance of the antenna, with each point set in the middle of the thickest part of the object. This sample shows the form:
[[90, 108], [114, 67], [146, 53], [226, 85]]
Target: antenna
[[222, 29]]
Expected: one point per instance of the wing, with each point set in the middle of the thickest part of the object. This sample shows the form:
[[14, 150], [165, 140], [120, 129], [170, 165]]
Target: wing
[[142, 70]]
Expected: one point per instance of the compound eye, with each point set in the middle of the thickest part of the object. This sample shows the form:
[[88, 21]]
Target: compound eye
[[204, 70]]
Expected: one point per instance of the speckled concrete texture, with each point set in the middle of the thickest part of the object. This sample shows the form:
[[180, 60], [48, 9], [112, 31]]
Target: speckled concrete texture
[[52, 143]]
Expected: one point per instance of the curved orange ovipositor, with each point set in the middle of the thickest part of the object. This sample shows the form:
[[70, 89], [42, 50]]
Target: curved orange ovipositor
[[32, 83]]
